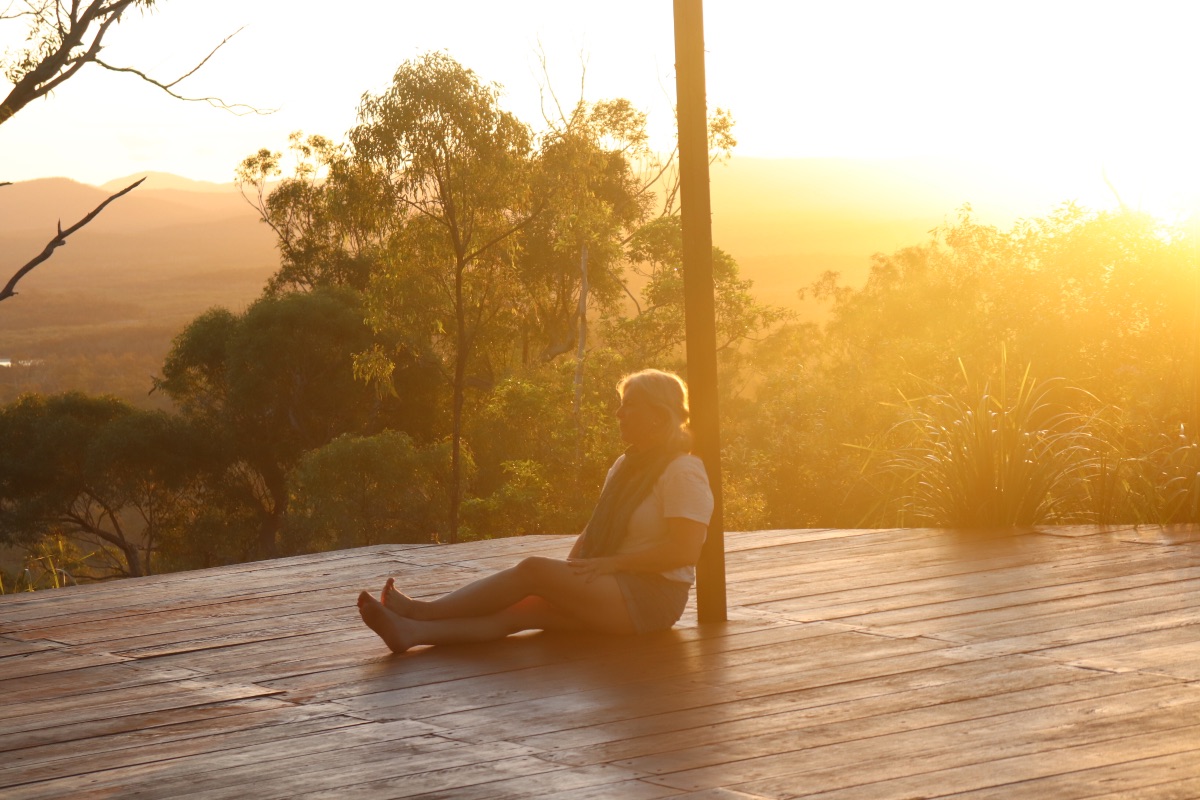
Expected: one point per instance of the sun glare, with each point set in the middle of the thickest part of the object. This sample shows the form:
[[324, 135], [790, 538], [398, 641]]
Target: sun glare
[[1057, 102]]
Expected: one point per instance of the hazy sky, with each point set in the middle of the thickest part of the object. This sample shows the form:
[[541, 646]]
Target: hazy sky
[[1057, 91]]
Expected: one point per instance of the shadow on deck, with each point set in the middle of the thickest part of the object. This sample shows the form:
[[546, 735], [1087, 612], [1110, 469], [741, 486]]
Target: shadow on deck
[[1062, 662]]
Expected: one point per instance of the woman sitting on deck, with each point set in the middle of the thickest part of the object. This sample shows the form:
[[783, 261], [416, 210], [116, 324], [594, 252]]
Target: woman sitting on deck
[[629, 571]]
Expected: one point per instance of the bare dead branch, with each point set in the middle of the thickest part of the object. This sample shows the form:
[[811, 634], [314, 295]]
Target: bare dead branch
[[205, 60], [239, 109], [59, 240], [17, 15]]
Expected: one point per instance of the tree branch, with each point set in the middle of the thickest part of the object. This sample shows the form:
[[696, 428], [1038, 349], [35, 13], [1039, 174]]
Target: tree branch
[[500, 237], [45, 69], [58, 241], [240, 109]]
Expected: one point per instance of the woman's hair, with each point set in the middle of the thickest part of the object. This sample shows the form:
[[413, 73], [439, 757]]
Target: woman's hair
[[665, 391]]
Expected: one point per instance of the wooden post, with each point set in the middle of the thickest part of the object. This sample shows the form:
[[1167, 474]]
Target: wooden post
[[699, 304]]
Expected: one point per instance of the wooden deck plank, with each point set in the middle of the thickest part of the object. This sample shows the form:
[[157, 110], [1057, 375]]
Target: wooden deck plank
[[71, 729], [1103, 622], [1027, 768], [591, 783], [145, 743], [940, 602], [29, 689], [1186, 789], [10, 646], [46, 713], [880, 586], [575, 658], [622, 679], [453, 781], [749, 755], [51, 659], [291, 763], [695, 709], [78, 759], [1058, 662], [1070, 781], [698, 702], [1047, 684], [914, 758]]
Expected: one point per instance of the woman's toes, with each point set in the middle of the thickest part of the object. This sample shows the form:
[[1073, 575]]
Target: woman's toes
[[385, 624]]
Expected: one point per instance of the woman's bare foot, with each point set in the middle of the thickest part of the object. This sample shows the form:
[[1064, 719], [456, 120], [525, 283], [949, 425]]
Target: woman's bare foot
[[398, 602], [387, 625]]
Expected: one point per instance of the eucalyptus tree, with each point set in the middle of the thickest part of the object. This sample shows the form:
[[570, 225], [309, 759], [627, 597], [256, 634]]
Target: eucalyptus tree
[[573, 251], [654, 333], [106, 475], [477, 244], [452, 169], [359, 491], [275, 382], [327, 225]]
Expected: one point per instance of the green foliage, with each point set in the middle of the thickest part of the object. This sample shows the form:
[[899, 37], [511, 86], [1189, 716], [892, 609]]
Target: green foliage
[[50, 563], [97, 471], [1175, 465], [524, 504], [784, 436], [1147, 477], [1011, 453], [525, 441], [656, 333], [452, 172], [272, 384], [322, 215], [1105, 302], [587, 171], [1102, 300], [359, 491], [432, 280]]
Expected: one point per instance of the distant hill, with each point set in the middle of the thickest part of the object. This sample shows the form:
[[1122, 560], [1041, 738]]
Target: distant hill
[[101, 313], [157, 254], [165, 180], [787, 221], [36, 206]]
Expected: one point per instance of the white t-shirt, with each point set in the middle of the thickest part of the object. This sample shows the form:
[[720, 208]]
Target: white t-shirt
[[681, 491]]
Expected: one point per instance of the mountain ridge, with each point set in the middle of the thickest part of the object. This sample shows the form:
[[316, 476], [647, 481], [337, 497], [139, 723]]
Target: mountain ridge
[[786, 221]]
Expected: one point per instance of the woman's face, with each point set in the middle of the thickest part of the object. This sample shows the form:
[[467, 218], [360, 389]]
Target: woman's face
[[642, 424]]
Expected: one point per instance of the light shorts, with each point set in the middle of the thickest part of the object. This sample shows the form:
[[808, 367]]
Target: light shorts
[[655, 603]]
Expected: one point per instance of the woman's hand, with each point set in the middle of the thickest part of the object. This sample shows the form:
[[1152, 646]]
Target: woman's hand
[[590, 568]]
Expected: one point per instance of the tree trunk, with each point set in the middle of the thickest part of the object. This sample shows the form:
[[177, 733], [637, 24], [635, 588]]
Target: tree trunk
[[132, 558], [579, 353], [460, 376], [272, 521]]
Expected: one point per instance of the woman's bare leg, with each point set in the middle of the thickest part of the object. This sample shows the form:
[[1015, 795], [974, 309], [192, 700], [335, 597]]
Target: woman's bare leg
[[401, 634], [599, 604]]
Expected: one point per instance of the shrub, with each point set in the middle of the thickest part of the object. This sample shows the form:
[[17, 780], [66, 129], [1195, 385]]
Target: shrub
[[1009, 456]]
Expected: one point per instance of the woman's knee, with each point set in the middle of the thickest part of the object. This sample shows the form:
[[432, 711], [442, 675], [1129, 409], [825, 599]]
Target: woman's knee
[[537, 569]]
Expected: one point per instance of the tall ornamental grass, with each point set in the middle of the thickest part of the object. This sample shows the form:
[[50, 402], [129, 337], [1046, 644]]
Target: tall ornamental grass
[[1152, 479], [1010, 454]]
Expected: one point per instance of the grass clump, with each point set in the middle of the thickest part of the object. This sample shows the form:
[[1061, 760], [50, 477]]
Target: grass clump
[[1005, 454]]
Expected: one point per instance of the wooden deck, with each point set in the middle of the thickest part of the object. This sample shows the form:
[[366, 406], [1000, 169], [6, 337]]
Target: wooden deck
[[1061, 663]]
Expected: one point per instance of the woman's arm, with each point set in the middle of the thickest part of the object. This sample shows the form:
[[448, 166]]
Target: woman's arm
[[576, 548], [680, 547]]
